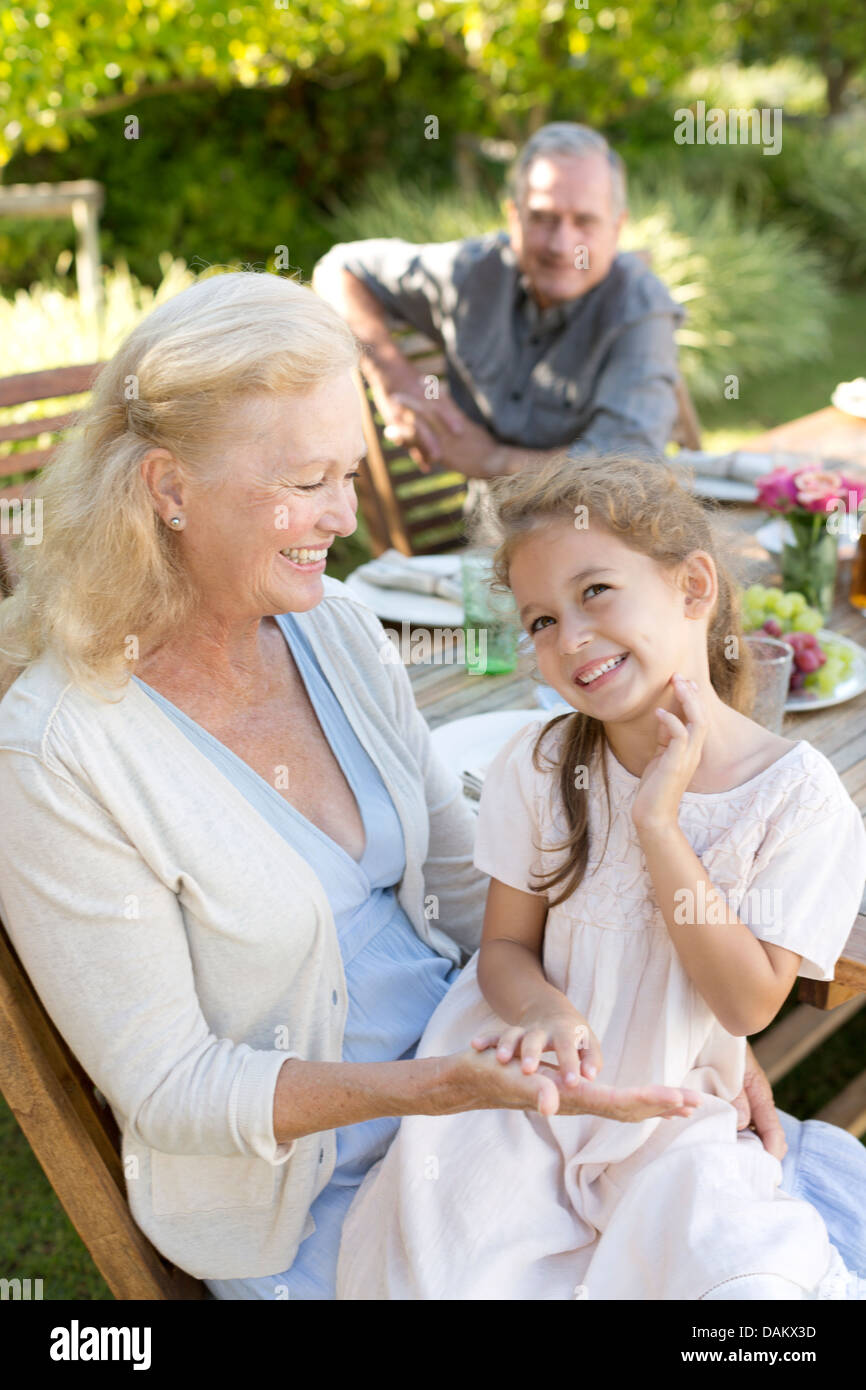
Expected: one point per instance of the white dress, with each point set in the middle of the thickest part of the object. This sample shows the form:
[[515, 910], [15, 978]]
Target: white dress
[[506, 1204]]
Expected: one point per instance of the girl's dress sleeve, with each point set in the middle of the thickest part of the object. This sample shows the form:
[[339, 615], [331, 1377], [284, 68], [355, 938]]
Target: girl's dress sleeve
[[508, 834], [806, 889]]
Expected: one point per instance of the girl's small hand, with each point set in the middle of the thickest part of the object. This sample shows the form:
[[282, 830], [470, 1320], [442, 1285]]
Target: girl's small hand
[[565, 1032], [668, 774]]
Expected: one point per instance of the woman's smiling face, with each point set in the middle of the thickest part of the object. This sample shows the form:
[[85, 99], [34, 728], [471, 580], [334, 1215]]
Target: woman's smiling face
[[286, 483], [587, 599]]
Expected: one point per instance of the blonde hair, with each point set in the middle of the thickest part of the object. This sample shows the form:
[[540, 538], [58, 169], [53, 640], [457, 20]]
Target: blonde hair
[[642, 503], [107, 566]]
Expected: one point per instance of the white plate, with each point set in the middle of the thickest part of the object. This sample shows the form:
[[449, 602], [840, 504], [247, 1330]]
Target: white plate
[[850, 396], [402, 605], [853, 684], [773, 533], [472, 743]]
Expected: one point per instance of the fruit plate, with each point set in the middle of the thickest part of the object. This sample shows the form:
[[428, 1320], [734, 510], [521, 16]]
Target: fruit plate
[[853, 684]]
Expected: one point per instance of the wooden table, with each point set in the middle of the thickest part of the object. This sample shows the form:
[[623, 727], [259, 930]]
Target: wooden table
[[445, 692], [827, 434]]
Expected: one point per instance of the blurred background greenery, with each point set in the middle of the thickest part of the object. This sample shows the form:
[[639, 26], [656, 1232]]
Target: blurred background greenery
[[305, 122]]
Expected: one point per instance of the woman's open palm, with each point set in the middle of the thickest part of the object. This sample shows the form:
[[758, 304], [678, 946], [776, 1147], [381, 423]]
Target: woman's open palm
[[627, 1103], [488, 1084]]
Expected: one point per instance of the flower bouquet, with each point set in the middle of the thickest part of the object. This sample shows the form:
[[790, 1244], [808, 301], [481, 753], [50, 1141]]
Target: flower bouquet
[[812, 501]]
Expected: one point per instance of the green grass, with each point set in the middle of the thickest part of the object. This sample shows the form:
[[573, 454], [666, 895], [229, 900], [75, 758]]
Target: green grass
[[774, 399], [37, 1239]]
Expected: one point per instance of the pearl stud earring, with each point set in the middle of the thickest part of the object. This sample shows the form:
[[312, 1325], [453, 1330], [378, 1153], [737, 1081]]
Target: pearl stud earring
[[176, 521]]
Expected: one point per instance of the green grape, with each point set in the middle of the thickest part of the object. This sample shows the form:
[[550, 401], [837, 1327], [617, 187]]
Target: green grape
[[784, 607], [797, 602], [807, 620], [836, 668], [824, 679]]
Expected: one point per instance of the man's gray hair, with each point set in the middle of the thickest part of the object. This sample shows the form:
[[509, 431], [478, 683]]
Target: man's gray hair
[[566, 137]]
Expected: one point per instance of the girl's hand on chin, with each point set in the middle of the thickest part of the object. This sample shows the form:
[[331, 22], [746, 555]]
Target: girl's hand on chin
[[678, 752]]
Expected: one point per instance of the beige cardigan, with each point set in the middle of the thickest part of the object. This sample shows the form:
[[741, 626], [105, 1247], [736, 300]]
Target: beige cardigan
[[184, 950]]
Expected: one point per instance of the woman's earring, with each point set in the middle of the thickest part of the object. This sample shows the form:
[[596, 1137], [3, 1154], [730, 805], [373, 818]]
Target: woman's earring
[[176, 521]]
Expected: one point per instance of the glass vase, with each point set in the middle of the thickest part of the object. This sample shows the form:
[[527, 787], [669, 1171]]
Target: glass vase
[[810, 560]]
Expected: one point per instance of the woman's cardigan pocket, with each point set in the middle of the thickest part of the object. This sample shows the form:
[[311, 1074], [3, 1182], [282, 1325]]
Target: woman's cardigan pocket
[[182, 1183]]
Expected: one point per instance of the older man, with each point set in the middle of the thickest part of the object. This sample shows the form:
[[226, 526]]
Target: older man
[[551, 338]]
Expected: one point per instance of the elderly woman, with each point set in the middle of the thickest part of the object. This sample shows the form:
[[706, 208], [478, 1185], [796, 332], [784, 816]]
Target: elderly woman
[[231, 863]]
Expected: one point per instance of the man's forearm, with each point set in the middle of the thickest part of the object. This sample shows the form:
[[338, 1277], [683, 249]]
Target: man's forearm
[[364, 314], [512, 458]]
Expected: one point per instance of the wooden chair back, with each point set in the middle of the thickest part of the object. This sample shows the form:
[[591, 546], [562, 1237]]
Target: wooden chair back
[[43, 433], [422, 513], [73, 1134], [403, 507]]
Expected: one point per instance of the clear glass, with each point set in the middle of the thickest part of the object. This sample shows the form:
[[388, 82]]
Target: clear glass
[[771, 660], [809, 562], [490, 622]]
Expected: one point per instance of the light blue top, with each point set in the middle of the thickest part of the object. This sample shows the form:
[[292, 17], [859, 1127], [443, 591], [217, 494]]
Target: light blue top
[[394, 981]]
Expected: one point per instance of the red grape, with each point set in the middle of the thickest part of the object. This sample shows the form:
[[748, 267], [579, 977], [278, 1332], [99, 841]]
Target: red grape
[[808, 661]]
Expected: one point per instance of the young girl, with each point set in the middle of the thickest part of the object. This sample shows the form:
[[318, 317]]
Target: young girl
[[661, 870]]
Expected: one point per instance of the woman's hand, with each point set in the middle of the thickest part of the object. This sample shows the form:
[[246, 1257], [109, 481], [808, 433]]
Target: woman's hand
[[667, 774], [564, 1031], [756, 1109], [474, 1080]]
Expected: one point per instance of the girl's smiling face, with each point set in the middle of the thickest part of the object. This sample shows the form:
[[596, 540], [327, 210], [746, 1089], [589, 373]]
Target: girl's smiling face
[[587, 600]]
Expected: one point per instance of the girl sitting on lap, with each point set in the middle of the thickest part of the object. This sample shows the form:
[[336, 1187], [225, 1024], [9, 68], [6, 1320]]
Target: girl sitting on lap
[[661, 870]]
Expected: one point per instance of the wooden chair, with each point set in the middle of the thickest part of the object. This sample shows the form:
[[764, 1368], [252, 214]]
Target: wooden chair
[[422, 513], [44, 431], [70, 1129], [73, 1134], [820, 1013]]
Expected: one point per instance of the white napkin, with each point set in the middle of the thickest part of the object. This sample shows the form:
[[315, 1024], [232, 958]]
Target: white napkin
[[740, 465], [394, 570]]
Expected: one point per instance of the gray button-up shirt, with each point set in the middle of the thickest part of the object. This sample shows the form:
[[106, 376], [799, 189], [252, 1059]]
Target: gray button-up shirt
[[597, 372]]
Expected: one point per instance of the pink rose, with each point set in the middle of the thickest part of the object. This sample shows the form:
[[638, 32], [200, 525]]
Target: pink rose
[[776, 491], [818, 490], [857, 489]]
